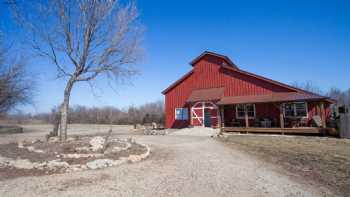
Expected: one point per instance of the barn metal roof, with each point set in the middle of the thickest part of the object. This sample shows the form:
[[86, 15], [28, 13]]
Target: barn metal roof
[[178, 81], [206, 94], [274, 97], [227, 59]]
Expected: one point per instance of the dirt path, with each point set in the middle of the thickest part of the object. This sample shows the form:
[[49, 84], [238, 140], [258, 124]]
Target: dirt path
[[178, 166]]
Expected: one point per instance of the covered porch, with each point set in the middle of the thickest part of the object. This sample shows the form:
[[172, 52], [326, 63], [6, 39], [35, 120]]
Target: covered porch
[[297, 130], [273, 114]]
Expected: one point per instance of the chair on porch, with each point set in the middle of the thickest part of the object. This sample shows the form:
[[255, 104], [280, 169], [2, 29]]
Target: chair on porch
[[236, 123], [257, 123], [274, 122], [303, 122], [266, 123], [288, 122]]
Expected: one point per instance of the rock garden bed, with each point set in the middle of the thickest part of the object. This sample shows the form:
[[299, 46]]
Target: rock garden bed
[[76, 154]]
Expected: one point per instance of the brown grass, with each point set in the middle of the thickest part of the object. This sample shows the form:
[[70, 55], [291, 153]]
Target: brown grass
[[323, 160]]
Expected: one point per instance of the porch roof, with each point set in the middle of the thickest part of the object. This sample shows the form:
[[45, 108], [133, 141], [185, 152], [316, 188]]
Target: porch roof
[[269, 98], [206, 94]]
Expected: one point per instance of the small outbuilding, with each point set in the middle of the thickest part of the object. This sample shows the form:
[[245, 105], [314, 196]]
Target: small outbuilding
[[216, 93]]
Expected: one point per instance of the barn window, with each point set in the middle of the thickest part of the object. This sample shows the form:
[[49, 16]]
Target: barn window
[[289, 110], [181, 114], [298, 109], [241, 109]]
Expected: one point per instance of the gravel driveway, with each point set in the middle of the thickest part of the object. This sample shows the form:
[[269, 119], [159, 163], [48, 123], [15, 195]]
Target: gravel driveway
[[178, 166]]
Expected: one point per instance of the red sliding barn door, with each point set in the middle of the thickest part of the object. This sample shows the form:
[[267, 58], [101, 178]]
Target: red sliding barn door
[[204, 114]]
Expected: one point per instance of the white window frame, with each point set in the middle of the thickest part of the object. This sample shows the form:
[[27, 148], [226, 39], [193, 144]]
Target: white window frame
[[295, 110], [182, 109], [245, 111]]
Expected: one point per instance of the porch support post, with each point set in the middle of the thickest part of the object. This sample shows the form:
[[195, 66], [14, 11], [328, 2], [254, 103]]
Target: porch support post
[[318, 109], [323, 115], [246, 117], [281, 116], [219, 116], [191, 115], [222, 117], [203, 112]]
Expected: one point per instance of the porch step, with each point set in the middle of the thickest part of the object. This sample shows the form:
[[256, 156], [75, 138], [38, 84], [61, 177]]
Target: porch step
[[299, 130]]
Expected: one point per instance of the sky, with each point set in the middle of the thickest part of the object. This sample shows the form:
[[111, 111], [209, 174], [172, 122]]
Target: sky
[[288, 41]]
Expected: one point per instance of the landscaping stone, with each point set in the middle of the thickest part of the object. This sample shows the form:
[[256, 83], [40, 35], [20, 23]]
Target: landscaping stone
[[20, 144], [32, 149], [56, 164], [36, 141], [70, 139], [22, 164], [76, 156], [155, 132], [82, 149], [38, 151], [99, 163], [76, 168], [97, 143], [3, 162], [134, 158], [53, 139]]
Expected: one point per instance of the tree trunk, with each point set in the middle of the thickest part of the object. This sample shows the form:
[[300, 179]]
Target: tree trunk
[[56, 123], [64, 109]]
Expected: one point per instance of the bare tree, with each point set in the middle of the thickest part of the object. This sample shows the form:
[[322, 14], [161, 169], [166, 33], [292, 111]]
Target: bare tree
[[16, 87], [83, 39], [342, 97]]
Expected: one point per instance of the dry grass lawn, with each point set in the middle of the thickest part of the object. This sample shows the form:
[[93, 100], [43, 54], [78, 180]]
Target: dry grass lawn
[[324, 160]]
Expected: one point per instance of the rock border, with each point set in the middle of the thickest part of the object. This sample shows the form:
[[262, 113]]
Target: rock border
[[62, 166]]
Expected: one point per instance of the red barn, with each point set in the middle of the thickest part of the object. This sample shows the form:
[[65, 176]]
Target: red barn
[[218, 93]]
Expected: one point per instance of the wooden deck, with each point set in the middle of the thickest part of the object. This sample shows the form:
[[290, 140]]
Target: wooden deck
[[299, 130]]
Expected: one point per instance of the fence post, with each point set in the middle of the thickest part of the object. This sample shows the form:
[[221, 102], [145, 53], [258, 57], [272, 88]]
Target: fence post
[[344, 127]]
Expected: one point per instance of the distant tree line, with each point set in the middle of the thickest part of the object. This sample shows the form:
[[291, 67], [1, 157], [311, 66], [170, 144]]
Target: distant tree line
[[341, 96], [146, 113]]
